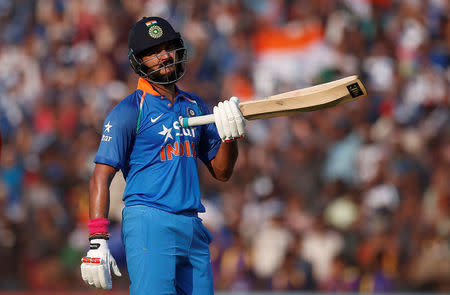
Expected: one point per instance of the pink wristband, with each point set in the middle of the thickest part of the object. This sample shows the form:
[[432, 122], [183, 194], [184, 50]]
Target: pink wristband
[[98, 225]]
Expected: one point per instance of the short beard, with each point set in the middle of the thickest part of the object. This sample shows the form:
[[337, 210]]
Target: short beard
[[170, 77], [157, 77]]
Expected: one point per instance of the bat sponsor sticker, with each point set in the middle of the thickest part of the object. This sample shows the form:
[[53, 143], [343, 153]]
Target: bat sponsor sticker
[[355, 90]]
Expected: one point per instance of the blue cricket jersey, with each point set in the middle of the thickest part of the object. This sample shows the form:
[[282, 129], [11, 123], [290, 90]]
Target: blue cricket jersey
[[158, 158]]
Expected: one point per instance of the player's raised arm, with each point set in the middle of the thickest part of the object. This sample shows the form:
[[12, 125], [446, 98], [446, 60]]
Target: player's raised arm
[[231, 126]]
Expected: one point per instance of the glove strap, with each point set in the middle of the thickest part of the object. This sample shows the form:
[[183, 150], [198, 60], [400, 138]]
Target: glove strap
[[104, 236]]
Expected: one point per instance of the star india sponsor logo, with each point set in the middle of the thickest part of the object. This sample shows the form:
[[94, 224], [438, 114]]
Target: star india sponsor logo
[[178, 148], [108, 127], [166, 132], [106, 138], [179, 131]]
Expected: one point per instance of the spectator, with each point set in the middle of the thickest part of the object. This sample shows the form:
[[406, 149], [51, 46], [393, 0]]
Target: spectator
[[320, 245]]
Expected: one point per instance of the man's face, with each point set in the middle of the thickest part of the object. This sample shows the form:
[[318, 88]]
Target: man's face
[[161, 61]]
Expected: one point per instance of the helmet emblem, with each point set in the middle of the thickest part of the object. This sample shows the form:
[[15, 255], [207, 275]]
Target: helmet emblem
[[155, 31]]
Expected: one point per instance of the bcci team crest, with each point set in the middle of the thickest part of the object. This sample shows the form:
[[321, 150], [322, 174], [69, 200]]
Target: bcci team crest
[[154, 30], [190, 112]]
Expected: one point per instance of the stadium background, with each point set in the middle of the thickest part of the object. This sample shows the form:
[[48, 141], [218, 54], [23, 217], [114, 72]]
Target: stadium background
[[354, 198]]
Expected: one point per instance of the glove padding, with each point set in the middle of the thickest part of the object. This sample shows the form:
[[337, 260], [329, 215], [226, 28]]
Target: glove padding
[[95, 267], [229, 120]]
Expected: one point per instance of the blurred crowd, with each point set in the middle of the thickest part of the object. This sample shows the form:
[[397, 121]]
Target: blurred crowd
[[352, 198]]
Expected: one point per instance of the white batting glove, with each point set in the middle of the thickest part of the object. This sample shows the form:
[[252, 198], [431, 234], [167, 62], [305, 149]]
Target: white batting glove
[[229, 120], [95, 267]]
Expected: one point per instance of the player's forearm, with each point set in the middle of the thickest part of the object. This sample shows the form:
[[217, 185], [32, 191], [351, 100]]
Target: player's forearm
[[99, 191], [98, 200], [223, 163]]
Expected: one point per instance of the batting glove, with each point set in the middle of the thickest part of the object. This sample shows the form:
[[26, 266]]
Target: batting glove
[[229, 120], [95, 267]]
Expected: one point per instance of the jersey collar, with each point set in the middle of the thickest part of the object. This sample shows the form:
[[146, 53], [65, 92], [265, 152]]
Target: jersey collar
[[145, 86]]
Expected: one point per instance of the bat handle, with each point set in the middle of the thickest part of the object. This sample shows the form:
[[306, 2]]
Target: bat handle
[[195, 121]]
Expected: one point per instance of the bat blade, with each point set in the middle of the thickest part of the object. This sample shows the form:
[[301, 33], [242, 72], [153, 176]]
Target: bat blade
[[309, 99], [305, 100]]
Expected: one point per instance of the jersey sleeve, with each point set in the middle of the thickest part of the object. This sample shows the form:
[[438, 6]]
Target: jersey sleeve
[[209, 140], [119, 132]]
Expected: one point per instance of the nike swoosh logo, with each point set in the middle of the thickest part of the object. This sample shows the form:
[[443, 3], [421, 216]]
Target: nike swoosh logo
[[155, 119]]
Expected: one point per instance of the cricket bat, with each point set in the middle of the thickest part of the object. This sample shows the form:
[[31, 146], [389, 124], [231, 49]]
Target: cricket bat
[[309, 99]]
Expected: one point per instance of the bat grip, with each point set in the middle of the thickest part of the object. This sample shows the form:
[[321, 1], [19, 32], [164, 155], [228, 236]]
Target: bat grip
[[195, 121]]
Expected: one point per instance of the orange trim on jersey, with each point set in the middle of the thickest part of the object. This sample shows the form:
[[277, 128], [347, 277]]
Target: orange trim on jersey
[[145, 86], [142, 100], [140, 111], [191, 100]]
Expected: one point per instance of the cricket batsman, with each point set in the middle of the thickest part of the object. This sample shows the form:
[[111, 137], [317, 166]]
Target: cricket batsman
[[166, 244]]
